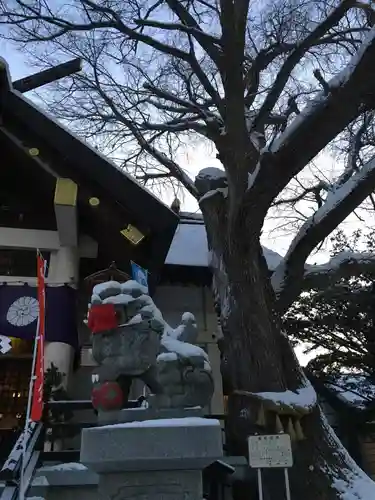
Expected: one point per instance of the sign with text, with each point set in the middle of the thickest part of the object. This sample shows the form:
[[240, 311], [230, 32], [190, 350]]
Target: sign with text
[[270, 451]]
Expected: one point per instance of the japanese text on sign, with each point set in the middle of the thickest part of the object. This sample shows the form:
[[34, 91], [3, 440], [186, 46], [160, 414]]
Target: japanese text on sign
[[270, 451]]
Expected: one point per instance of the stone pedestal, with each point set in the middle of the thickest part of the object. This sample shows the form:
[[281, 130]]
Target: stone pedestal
[[152, 459], [142, 414]]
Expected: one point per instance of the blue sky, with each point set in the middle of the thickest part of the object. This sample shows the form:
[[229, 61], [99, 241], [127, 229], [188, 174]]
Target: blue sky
[[16, 60], [192, 159]]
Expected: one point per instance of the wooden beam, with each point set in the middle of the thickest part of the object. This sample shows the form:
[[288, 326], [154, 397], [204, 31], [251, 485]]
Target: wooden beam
[[41, 78], [66, 211]]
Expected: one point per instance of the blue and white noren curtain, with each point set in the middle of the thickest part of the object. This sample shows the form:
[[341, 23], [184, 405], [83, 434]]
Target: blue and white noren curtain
[[19, 311]]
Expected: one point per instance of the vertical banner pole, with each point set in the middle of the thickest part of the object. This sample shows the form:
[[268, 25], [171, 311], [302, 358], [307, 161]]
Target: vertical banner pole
[[287, 485], [38, 358], [260, 484]]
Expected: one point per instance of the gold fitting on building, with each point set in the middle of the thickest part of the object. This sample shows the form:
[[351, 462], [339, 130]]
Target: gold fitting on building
[[132, 234], [94, 202], [33, 151]]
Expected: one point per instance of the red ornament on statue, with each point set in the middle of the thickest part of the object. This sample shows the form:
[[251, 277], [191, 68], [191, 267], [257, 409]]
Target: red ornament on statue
[[107, 397], [102, 317]]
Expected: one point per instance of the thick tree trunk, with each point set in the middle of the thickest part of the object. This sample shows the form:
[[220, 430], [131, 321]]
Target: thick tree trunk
[[261, 359]]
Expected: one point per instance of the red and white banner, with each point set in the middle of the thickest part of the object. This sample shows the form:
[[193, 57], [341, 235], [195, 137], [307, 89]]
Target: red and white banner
[[37, 396]]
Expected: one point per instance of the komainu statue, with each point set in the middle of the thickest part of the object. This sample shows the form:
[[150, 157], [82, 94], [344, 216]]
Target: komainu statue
[[130, 339]]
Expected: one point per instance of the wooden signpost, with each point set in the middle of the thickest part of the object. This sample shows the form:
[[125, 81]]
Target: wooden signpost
[[270, 451]]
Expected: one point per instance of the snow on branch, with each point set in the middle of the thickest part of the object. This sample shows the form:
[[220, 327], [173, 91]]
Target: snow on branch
[[322, 119], [340, 202], [341, 265], [295, 57]]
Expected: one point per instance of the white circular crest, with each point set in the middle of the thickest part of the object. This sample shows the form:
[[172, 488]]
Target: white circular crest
[[23, 311]]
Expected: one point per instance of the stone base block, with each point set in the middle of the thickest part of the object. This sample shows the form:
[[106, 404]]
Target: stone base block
[[142, 414], [156, 485], [152, 445]]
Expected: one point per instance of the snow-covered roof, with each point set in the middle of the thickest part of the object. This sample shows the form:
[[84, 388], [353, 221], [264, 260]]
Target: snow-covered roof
[[357, 391], [189, 246]]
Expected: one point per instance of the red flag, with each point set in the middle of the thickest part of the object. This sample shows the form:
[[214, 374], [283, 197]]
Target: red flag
[[37, 398]]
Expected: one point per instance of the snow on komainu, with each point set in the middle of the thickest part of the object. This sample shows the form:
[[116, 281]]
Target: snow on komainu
[[130, 339]]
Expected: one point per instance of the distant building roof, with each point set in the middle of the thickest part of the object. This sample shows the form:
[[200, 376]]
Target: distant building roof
[[189, 246], [354, 390]]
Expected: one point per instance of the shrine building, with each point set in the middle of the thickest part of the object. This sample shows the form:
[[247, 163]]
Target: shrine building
[[59, 195]]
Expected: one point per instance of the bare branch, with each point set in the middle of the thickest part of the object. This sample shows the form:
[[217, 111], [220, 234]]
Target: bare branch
[[342, 265], [295, 57], [176, 27], [319, 123], [287, 278], [208, 43]]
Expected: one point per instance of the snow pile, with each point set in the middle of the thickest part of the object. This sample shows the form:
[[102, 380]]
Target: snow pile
[[302, 401], [63, 467], [121, 298], [180, 341], [167, 422], [182, 349], [167, 356], [212, 173]]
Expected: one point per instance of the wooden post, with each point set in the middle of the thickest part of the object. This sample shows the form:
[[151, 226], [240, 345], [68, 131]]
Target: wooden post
[[36, 80]]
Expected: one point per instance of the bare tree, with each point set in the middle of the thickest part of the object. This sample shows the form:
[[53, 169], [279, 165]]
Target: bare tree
[[159, 73]]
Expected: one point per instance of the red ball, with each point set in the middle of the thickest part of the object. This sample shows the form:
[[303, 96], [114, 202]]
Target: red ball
[[107, 396]]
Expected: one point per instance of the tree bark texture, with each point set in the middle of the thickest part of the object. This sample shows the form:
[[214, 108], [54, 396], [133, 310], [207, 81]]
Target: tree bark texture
[[259, 358]]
